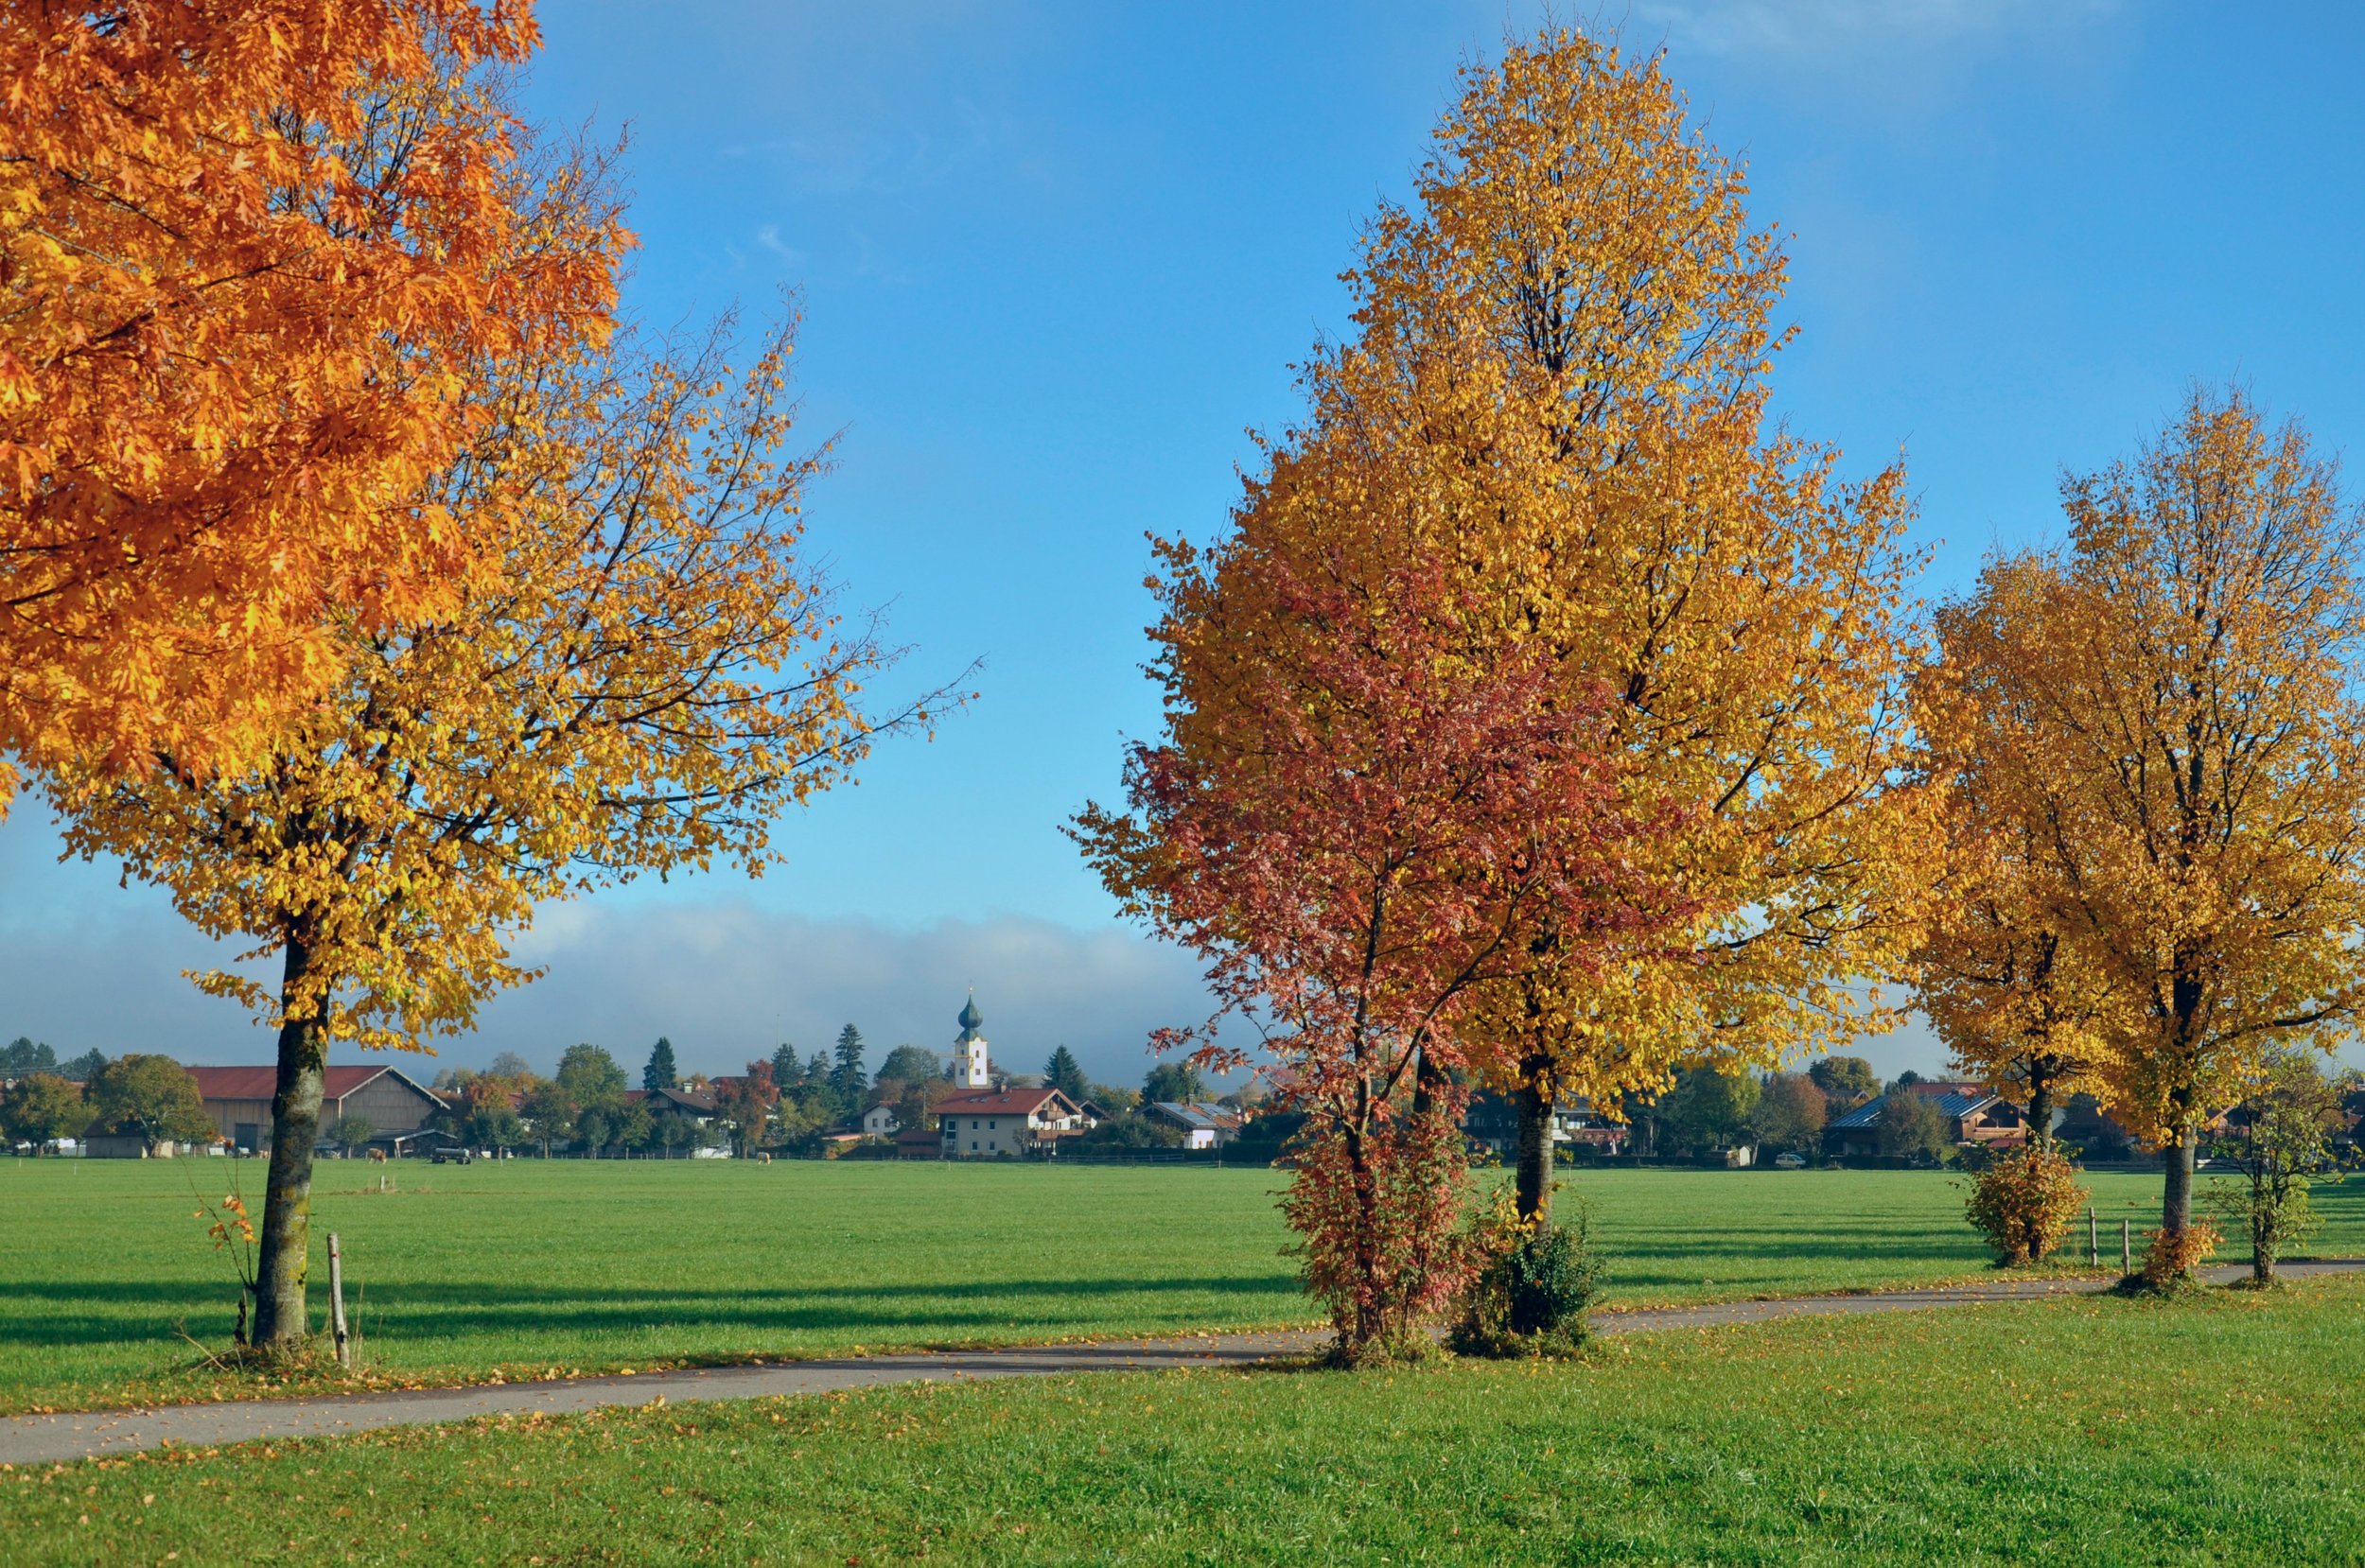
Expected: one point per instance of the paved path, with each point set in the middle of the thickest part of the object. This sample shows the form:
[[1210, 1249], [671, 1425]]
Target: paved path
[[43, 1439]]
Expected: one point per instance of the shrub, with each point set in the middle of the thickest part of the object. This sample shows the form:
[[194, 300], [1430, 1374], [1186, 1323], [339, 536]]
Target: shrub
[[2173, 1255], [1531, 1288], [2025, 1203]]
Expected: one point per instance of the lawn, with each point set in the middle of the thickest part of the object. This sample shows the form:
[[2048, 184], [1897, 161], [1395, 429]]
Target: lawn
[[2090, 1431], [523, 1267]]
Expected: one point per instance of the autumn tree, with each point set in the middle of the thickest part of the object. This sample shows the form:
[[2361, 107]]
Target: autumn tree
[[2187, 736], [2002, 974], [249, 255], [150, 1097], [1789, 1115], [41, 1107], [656, 675], [1340, 825], [1565, 341], [746, 1102]]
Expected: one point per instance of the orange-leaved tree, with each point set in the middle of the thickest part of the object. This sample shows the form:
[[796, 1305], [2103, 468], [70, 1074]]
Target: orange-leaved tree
[[2186, 735], [249, 252], [654, 676]]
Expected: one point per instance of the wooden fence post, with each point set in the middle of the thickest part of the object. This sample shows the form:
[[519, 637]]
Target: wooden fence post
[[337, 1302]]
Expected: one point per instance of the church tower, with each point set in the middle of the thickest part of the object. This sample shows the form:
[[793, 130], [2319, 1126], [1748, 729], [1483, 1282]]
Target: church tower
[[971, 1069]]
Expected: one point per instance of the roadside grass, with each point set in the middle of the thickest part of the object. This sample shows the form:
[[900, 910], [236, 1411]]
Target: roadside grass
[[2220, 1428], [522, 1268]]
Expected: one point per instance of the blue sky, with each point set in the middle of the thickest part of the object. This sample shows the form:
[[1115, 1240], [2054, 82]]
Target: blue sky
[[1056, 260]]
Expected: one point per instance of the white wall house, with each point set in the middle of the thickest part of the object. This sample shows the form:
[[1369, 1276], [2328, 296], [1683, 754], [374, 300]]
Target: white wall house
[[1005, 1121], [879, 1122]]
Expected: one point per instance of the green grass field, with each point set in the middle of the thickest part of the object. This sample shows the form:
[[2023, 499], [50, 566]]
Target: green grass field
[[2090, 1431], [523, 1268]]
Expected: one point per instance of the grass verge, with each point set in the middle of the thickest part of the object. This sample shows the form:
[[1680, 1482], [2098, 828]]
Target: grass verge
[[2220, 1428]]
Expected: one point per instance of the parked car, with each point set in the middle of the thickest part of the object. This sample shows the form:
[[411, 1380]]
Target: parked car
[[1787, 1161]]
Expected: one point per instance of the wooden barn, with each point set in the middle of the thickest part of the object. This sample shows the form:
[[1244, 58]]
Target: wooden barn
[[238, 1100]]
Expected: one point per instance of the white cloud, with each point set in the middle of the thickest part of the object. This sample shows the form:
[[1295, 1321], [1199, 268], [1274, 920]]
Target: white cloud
[[725, 979]]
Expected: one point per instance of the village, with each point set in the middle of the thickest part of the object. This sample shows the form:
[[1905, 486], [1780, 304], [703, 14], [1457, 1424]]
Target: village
[[963, 1105]]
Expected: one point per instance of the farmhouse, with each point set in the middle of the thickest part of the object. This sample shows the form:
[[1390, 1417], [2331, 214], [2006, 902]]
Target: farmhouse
[[879, 1120], [238, 1100], [1202, 1127], [695, 1104], [982, 1124], [1968, 1111]]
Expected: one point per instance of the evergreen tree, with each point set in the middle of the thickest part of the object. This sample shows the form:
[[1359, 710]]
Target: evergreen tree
[[22, 1058], [848, 1078], [82, 1069], [660, 1073], [1065, 1073], [817, 1069], [787, 1071]]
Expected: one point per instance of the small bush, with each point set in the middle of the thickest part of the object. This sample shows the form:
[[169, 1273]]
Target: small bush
[[2025, 1203], [1531, 1288], [2173, 1257]]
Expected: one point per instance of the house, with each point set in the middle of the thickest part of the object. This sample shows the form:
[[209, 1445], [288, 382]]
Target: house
[[391, 1101], [981, 1124], [1968, 1113], [1494, 1121], [920, 1143], [1202, 1127], [695, 1104], [879, 1120]]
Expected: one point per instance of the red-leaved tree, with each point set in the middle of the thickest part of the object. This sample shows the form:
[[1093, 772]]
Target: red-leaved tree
[[1359, 823]]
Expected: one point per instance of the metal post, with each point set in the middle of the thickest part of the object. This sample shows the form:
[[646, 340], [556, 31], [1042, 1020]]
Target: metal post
[[2093, 1239], [337, 1302], [2127, 1249]]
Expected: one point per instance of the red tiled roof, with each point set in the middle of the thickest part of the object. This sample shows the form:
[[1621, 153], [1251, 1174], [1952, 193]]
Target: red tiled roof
[[261, 1083], [1012, 1102]]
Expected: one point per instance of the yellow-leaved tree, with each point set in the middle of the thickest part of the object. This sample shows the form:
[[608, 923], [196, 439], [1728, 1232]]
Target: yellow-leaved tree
[[2184, 743], [249, 251], [1561, 360], [2002, 975], [656, 674]]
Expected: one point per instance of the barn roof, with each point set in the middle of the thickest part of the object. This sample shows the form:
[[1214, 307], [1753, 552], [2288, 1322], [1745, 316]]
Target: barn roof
[[1006, 1101], [261, 1083]]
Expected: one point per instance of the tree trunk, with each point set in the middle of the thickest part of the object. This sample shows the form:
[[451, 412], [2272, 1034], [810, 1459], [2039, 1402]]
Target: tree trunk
[[2041, 1111], [1534, 1179], [285, 1250], [2176, 1204]]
